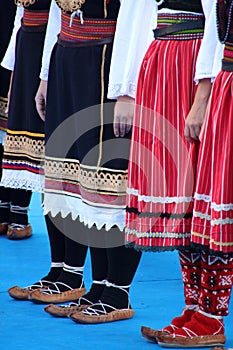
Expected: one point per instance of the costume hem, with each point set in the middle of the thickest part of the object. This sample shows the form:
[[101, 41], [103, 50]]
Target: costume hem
[[89, 215]]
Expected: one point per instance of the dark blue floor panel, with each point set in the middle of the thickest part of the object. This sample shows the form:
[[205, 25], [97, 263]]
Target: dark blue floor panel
[[156, 296]]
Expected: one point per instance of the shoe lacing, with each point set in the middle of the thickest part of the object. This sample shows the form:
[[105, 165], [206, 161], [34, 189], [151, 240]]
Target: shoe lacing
[[93, 311], [56, 290], [39, 284], [86, 301], [17, 226]]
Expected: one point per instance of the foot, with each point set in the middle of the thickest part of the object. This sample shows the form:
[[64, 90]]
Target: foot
[[57, 293], [66, 310], [101, 313], [200, 331], [177, 322], [17, 232], [19, 293]]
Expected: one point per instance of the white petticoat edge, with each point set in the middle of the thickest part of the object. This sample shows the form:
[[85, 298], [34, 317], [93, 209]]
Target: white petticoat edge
[[89, 215], [22, 179]]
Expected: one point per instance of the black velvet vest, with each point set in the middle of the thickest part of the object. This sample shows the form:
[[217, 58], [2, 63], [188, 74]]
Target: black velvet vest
[[225, 20]]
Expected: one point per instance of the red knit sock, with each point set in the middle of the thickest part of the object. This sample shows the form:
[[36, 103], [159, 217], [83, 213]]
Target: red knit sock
[[201, 325], [191, 274], [216, 284], [179, 321]]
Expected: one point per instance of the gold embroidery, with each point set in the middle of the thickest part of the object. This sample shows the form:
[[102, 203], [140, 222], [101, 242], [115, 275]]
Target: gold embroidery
[[25, 3], [91, 178], [23, 145], [70, 5]]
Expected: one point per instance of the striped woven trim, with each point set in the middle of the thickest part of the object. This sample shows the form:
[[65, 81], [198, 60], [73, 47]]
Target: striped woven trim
[[35, 18], [228, 52], [165, 20], [91, 29]]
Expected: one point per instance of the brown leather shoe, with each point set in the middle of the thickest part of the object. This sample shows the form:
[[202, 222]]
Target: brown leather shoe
[[40, 297], [151, 334], [169, 341], [3, 229], [91, 316], [64, 310], [24, 293], [15, 233]]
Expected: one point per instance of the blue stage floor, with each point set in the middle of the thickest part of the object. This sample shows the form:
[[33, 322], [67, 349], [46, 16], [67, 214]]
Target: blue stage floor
[[156, 296]]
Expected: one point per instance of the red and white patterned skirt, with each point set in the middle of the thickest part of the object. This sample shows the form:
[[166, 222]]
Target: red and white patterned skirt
[[213, 209], [162, 163]]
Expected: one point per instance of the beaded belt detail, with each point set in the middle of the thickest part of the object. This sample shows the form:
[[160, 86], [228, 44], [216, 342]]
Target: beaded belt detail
[[91, 29], [179, 26]]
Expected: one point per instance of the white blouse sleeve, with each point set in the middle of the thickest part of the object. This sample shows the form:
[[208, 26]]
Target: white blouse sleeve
[[206, 56], [133, 36], [8, 61], [53, 29]]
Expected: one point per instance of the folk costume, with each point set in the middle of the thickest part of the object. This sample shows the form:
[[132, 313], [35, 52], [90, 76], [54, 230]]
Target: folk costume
[[24, 147], [86, 172], [6, 23], [211, 231], [24, 144], [6, 26], [162, 174]]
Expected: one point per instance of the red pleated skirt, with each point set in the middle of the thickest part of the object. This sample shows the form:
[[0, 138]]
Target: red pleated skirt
[[213, 210], [162, 166]]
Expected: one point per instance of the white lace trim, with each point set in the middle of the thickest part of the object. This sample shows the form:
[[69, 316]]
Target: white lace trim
[[116, 90], [215, 222], [220, 207], [89, 215], [217, 207], [153, 199], [202, 197], [2, 137], [22, 179]]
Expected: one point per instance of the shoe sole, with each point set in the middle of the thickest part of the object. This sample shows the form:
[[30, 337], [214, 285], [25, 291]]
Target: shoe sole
[[58, 298], [59, 312], [195, 342], [110, 317]]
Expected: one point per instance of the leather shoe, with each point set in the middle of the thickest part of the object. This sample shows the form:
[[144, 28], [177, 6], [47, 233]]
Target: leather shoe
[[3, 229], [64, 310], [16, 233]]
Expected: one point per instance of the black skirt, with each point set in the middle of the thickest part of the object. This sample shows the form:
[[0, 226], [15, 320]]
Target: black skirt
[[24, 144], [85, 164], [7, 15]]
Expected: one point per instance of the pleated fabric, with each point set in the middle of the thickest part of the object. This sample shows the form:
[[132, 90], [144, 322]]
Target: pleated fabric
[[213, 210], [23, 159], [162, 163]]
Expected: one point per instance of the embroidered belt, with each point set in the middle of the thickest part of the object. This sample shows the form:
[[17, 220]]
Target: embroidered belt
[[227, 62], [91, 31], [179, 27], [35, 20]]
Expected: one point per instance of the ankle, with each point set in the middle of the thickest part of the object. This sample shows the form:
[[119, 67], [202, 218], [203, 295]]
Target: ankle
[[95, 291], [72, 276], [54, 273], [116, 296]]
